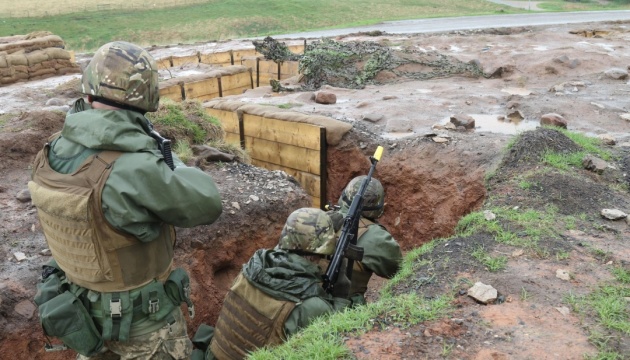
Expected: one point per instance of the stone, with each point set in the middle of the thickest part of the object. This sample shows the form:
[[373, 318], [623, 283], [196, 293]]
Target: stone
[[616, 74], [362, 104], [25, 308], [489, 215], [55, 102], [563, 275], [594, 164], [450, 126], [19, 256], [483, 293], [399, 126], [464, 120], [553, 119], [236, 205], [517, 252], [254, 197], [23, 196], [563, 310], [613, 214], [62, 108], [390, 97], [325, 97], [45, 252], [515, 116], [439, 139], [607, 139], [306, 97], [625, 116], [372, 117]]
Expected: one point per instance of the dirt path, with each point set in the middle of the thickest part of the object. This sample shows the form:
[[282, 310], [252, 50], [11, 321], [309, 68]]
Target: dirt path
[[527, 5]]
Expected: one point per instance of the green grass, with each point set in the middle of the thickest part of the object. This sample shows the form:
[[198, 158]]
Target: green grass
[[229, 19], [324, 338], [183, 151], [607, 304], [493, 264]]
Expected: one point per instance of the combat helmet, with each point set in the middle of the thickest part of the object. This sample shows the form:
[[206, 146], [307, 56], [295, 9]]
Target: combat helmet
[[123, 74], [308, 230], [373, 200]]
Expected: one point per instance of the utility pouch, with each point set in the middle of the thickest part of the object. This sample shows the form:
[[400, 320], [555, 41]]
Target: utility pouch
[[201, 341], [48, 289], [65, 317], [117, 315], [155, 303], [177, 287]]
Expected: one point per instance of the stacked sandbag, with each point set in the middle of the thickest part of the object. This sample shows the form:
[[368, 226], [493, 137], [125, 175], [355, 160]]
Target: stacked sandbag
[[34, 56]]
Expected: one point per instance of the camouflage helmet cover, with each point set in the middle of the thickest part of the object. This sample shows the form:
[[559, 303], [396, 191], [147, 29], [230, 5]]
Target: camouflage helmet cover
[[309, 230], [123, 73], [373, 199]]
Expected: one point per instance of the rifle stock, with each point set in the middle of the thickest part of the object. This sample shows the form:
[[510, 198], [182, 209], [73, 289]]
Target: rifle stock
[[346, 244]]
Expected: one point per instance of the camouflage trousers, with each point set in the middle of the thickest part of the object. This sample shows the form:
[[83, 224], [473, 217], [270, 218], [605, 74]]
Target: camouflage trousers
[[169, 342]]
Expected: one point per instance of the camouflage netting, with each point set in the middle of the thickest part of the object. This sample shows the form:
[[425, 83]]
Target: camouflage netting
[[34, 56], [275, 50], [355, 64]]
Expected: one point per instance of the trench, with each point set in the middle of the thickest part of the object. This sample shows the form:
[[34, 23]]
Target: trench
[[428, 189]]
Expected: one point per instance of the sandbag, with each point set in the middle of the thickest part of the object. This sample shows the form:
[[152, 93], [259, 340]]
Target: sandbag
[[36, 57], [72, 70], [3, 61], [43, 71], [21, 68], [17, 59], [57, 53]]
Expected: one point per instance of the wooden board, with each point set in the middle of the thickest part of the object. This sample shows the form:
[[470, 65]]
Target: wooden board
[[316, 202], [288, 69], [232, 138], [183, 60], [236, 81], [222, 58], [265, 79], [202, 88], [173, 92], [286, 132], [164, 63], [309, 182], [296, 49], [269, 68], [294, 157], [229, 119], [250, 63], [239, 54], [236, 91]]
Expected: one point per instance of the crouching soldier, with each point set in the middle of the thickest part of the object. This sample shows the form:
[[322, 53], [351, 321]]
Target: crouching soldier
[[278, 291]]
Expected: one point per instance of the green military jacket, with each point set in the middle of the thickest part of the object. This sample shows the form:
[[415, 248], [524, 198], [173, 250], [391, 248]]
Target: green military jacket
[[381, 252], [290, 277], [142, 191]]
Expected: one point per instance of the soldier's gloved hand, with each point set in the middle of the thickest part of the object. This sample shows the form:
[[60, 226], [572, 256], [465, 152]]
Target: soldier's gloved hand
[[337, 219]]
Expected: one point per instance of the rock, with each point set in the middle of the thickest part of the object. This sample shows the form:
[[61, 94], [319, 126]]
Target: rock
[[23, 196], [254, 197], [575, 233], [594, 164], [563, 310], [19, 256], [483, 293], [362, 104], [515, 116], [464, 120], [438, 127], [553, 119], [372, 117], [25, 308], [62, 108], [325, 97], [563, 274], [489, 215], [390, 97], [208, 153], [45, 252], [625, 116], [613, 214], [399, 125], [236, 205], [439, 139], [517, 252], [450, 126], [607, 139], [306, 97], [616, 73], [512, 105], [55, 102]]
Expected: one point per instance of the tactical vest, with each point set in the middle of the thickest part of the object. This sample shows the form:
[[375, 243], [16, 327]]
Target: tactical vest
[[93, 253], [249, 319], [360, 274]]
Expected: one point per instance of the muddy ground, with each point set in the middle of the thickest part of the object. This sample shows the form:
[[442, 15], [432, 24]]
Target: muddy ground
[[430, 185]]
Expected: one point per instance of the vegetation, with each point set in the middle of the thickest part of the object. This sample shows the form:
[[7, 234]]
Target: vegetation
[[88, 27]]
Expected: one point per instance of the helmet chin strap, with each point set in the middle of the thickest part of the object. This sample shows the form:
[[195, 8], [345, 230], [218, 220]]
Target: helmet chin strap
[[113, 105]]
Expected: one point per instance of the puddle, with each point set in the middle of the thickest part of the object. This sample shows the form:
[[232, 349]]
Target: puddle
[[490, 123], [517, 91]]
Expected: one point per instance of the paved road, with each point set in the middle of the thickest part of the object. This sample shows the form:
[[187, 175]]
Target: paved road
[[472, 22]]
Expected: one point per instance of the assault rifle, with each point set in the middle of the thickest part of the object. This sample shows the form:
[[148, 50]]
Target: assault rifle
[[164, 145], [347, 243]]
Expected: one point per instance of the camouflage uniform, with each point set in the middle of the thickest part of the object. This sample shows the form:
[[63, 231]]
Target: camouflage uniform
[[142, 197], [278, 291], [381, 253]]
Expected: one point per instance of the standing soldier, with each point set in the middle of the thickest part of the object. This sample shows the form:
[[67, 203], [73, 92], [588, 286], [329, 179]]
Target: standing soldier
[[381, 252], [108, 200], [279, 291]]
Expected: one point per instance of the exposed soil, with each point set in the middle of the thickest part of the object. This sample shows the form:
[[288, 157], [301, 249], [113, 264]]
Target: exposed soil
[[430, 186]]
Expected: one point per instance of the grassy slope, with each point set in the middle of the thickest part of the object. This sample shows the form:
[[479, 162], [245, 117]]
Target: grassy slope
[[220, 20]]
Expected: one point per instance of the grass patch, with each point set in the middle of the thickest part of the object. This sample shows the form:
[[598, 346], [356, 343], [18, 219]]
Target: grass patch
[[183, 151], [493, 264], [186, 121], [608, 306], [88, 28]]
